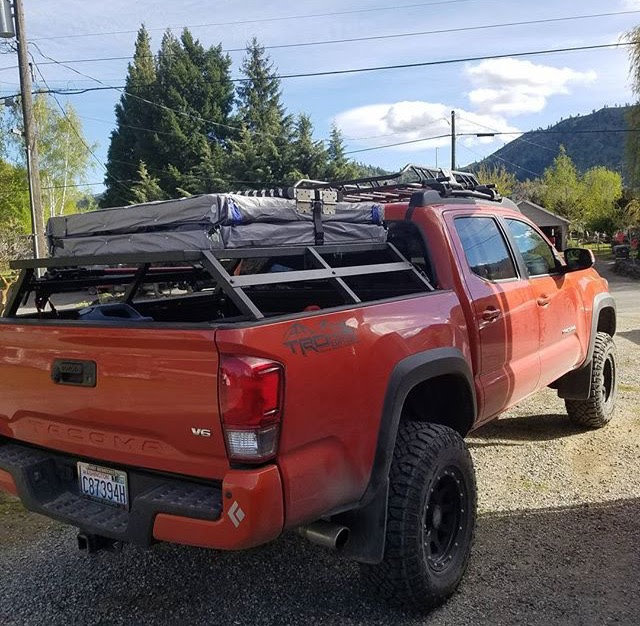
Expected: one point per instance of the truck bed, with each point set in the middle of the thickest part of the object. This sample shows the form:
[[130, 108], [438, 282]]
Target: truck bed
[[155, 385]]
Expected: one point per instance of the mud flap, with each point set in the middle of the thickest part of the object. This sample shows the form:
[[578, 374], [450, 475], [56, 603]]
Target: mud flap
[[574, 385], [368, 527]]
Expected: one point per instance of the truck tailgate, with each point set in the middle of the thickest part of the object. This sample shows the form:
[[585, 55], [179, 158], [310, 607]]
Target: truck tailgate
[[154, 402]]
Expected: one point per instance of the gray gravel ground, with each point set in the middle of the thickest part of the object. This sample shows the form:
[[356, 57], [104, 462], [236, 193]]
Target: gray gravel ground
[[557, 541]]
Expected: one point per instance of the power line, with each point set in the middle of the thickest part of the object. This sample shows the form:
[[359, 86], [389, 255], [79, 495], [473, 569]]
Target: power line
[[145, 100], [84, 184], [122, 125], [524, 169], [259, 20], [550, 132], [69, 92], [585, 131], [52, 92], [449, 61], [373, 37], [122, 90], [495, 131], [398, 143], [379, 68]]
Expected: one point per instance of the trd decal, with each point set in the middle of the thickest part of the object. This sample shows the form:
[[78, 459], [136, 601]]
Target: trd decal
[[305, 339]]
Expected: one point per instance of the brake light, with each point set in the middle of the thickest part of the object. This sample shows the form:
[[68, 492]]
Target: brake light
[[250, 395]]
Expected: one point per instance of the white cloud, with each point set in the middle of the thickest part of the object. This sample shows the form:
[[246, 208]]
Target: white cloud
[[631, 4], [411, 120], [512, 86]]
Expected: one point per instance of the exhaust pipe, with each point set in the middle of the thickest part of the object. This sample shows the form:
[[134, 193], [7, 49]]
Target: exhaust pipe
[[90, 543], [325, 534]]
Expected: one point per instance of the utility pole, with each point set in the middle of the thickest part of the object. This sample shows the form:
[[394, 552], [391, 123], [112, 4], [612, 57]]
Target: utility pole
[[453, 140], [33, 162]]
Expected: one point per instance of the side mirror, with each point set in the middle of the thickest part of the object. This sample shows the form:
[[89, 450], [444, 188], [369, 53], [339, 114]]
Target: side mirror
[[578, 259]]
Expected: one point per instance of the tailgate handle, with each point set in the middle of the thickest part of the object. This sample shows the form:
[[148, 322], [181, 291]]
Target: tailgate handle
[[78, 373]]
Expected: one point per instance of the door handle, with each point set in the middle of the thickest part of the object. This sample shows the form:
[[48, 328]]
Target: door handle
[[490, 314], [543, 301]]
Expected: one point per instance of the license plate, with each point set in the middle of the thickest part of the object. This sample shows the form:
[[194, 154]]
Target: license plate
[[104, 484]]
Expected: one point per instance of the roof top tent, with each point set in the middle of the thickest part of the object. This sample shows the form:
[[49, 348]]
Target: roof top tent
[[315, 235], [314, 212], [556, 228]]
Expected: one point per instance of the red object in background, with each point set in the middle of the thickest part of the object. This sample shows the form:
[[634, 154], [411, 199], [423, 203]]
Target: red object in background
[[634, 243], [619, 237]]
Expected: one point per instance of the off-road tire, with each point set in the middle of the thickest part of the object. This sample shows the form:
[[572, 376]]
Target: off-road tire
[[431, 471], [597, 410]]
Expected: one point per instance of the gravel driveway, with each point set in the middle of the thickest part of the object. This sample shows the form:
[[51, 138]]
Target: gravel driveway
[[557, 541]]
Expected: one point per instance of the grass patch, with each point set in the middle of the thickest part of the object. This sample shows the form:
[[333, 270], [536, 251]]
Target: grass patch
[[601, 250]]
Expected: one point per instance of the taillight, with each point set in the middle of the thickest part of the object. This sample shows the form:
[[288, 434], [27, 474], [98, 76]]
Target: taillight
[[250, 395]]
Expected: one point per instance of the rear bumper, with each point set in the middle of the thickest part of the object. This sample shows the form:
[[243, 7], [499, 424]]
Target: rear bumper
[[243, 511]]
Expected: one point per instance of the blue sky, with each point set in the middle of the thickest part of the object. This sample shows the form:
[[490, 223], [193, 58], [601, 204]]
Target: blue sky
[[371, 108]]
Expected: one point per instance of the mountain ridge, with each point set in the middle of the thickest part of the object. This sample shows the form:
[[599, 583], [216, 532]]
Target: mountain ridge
[[530, 154]]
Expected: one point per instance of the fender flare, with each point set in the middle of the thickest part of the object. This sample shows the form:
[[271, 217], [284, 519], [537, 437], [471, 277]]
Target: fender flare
[[367, 519], [575, 385], [601, 302]]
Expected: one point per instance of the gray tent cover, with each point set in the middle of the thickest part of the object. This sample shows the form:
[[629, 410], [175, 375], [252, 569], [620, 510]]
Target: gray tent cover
[[209, 222]]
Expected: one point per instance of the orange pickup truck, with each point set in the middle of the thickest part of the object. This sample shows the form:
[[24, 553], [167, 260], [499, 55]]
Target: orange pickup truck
[[220, 397]]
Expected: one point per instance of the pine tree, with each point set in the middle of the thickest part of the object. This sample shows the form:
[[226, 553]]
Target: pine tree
[[195, 87], [309, 156], [265, 123], [146, 188], [175, 117], [339, 166], [249, 164], [130, 141]]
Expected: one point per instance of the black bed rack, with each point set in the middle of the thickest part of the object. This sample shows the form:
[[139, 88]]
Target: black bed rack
[[396, 187], [81, 272]]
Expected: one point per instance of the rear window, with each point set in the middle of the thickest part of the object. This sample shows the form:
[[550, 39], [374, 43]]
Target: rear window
[[408, 239], [485, 248]]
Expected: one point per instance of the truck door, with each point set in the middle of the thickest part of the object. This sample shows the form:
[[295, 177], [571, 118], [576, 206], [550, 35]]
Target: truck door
[[504, 311], [556, 301]]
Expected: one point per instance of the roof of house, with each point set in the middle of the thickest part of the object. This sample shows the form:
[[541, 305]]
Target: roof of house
[[540, 215]]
